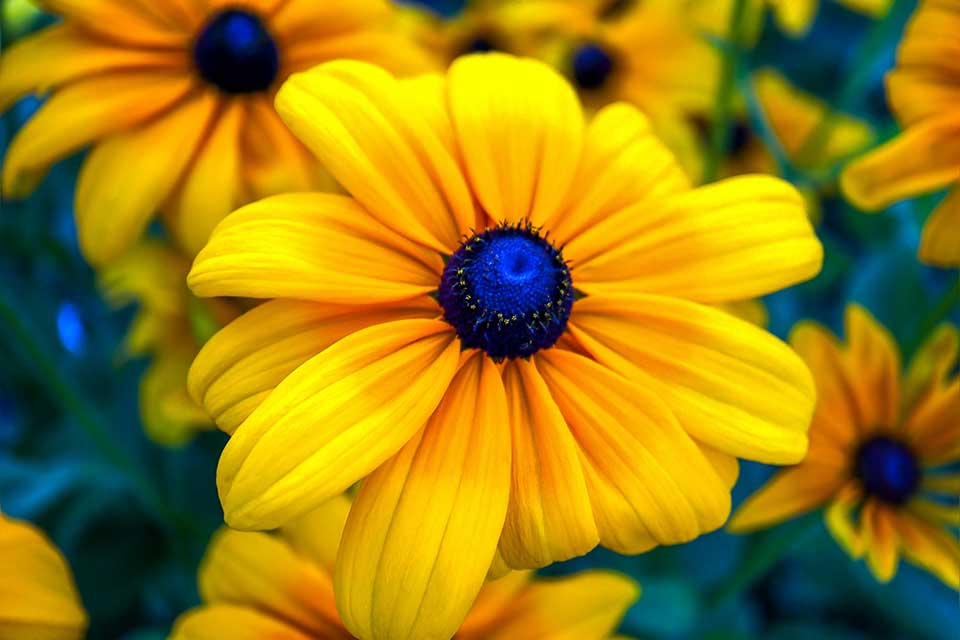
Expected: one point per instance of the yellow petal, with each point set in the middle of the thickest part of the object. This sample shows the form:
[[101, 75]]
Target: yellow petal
[[647, 478], [37, 595], [317, 535], [788, 494], [63, 53], [836, 418], [274, 160], [726, 466], [733, 240], [239, 367], [335, 419], [881, 540], [733, 386], [366, 129], [947, 515], [261, 571], [943, 483], [126, 178], [549, 517], [915, 93], [940, 241], [317, 20], [84, 112], [932, 363], [169, 415], [929, 44], [585, 606], [312, 246], [211, 188], [424, 528], [392, 51], [933, 426], [839, 519], [934, 548], [214, 622], [493, 605], [520, 127], [795, 16], [119, 20], [921, 159], [623, 163], [872, 362]]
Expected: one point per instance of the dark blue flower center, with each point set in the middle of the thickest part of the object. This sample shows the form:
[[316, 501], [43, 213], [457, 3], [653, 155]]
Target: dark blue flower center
[[482, 43], [592, 66], [236, 53], [507, 291], [887, 469]]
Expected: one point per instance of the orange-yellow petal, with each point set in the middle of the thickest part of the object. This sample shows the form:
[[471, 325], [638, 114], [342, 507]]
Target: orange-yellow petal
[[274, 160], [239, 367], [733, 240], [732, 385], [366, 128], [119, 20], [647, 478], [933, 548], [839, 519], [63, 53], [335, 419], [261, 571], [214, 622], [872, 362], [312, 246], [316, 536], [940, 240], [424, 528], [127, 177], [788, 494], [520, 128], [623, 163], [212, 187], [37, 596], [549, 517], [493, 604], [923, 158], [585, 606], [83, 112], [931, 365], [881, 541]]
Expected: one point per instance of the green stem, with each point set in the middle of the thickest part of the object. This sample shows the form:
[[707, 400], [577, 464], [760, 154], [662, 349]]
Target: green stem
[[723, 109], [765, 550], [22, 335]]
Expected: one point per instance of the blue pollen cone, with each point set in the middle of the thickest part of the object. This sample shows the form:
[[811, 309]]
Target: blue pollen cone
[[507, 291], [887, 469], [592, 66], [236, 53]]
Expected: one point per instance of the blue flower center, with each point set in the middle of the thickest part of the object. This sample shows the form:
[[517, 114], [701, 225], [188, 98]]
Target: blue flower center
[[507, 291], [592, 66], [236, 53], [887, 469], [481, 44]]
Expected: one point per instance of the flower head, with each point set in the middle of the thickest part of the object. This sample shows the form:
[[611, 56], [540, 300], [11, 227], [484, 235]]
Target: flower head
[[879, 443], [503, 332], [175, 99], [39, 597], [280, 585], [923, 91]]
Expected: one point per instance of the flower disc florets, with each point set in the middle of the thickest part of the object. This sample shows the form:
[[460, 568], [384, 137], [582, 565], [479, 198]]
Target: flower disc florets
[[887, 469], [592, 66], [236, 53], [507, 291]]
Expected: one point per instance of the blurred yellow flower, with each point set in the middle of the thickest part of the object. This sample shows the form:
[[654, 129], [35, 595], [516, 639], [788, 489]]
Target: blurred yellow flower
[[280, 586], [881, 446], [175, 97], [408, 339], [165, 328], [38, 600], [924, 93], [793, 17]]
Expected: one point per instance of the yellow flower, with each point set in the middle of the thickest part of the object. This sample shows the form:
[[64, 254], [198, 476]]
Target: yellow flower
[[408, 339], [164, 328], [876, 444], [38, 599], [258, 585], [793, 17], [923, 90], [175, 98]]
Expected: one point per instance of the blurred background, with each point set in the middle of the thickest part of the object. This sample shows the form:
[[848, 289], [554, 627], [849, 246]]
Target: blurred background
[[134, 518]]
